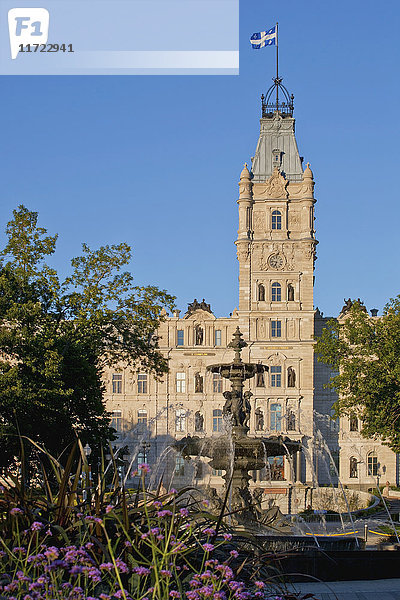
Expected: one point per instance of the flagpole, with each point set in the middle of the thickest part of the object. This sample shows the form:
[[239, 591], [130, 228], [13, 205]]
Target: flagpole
[[277, 71]]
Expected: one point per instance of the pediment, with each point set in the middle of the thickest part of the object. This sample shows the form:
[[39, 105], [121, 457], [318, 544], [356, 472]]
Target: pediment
[[200, 315]]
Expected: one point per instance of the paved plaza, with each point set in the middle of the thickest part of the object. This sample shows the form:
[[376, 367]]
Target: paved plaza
[[379, 589]]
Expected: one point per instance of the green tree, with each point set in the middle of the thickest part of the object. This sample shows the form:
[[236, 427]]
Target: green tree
[[56, 337], [364, 352]]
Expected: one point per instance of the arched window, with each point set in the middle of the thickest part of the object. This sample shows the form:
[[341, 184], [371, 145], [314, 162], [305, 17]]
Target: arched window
[[217, 419], [372, 464], [261, 293], [353, 467], [276, 417], [276, 219], [276, 295]]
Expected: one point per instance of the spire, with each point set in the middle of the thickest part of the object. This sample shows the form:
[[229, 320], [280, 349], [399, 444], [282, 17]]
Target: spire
[[277, 146]]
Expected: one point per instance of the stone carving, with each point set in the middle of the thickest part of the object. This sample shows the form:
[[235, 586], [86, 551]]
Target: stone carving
[[259, 221], [198, 421], [260, 379], [291, 377], [349, 303], [234, 408], [196, 305], [247, 407], [243, 252], [199, 335], [259, 419], [291, 421], [261, 293], [276, 186], [290, 292], [260, 329], [198, 383]]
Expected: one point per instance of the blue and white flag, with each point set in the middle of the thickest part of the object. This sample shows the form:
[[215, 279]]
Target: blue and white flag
[[264, 38]]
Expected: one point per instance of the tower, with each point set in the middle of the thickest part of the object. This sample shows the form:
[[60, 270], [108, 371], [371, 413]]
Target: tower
[[276, 253]]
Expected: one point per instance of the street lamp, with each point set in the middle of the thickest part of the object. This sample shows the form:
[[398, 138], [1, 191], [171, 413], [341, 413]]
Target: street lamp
[[86, 491], [87, 450]]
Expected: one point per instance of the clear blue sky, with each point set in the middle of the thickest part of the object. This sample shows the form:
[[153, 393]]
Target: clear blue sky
[[155, 161]]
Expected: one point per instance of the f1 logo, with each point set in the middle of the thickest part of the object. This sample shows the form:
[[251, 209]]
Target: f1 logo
[[27, 26]]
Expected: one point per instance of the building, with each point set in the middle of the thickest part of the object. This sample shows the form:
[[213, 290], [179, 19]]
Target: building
[[276, 251]]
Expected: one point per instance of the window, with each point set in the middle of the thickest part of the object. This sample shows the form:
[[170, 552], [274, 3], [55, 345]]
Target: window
[[180, 337], [217, 419], [217, 337], [276, 328], [179, 466], [261, 293], [276, 295], [276, 376], [116, 420], [142, 383], [276, 219], [180, 420], [142, 418], [181, 383], [217, 383], [117, 383], [353, 468], [141, 460], [372, 464], [276, 417], [353, 424]]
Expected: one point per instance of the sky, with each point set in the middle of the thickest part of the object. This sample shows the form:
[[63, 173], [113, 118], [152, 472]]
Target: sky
[[155, 160]]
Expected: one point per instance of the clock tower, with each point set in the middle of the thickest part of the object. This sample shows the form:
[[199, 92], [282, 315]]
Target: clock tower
[[276, 252]]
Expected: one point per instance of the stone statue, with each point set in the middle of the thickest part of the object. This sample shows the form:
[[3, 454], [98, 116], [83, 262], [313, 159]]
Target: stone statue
[[261, 293], [259, 419], [291, 421], [260, 379], [198, 421], [290, 293], [198, 383], [246, 408], [196, 305], [234, 407], [347, 306], [291, 377], [199, 334]]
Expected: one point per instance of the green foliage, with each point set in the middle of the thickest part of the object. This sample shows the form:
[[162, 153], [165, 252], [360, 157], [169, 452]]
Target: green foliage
[[84, 540], [365, 353], [56, 338]]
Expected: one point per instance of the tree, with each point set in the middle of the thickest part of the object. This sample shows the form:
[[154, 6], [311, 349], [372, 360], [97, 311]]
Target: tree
[[365, 354], [57, 337]]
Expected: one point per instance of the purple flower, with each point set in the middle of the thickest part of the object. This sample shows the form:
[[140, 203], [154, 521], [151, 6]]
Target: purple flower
[[234, 553], [16, 511], [209, 531], [184, 512], [173, 491], [227, 536], [259, 584], [141, 571], [144, 468], [208, 547], [174, 594], [109, 508], [107, 566], [164, 513], [166, 572], [155, 530], [19, 549], [127, 544], [51, 553], [121, 566]]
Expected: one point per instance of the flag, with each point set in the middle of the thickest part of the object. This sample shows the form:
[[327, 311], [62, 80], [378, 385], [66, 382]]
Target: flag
[[264, 38]]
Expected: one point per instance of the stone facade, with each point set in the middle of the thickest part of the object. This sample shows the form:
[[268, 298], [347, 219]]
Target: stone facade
[[276, 250]]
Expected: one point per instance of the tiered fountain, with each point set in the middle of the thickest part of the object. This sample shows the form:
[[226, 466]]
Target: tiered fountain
[[236, 452]]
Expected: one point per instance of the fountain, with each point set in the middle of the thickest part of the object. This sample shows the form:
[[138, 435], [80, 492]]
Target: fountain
[[236, 452]]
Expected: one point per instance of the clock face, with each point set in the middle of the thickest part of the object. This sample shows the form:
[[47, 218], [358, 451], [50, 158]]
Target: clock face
[[275, 261]]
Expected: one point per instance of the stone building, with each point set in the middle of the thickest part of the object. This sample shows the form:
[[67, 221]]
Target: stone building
[[276, 251]]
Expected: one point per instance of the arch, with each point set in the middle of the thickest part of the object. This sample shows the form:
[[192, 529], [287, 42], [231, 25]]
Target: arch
[[372, 464], [276, 219], [261, 292]]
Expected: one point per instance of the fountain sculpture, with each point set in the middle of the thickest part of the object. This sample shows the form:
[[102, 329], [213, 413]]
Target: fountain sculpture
[[237, 453]]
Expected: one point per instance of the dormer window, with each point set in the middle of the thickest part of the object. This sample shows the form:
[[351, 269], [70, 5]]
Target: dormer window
[[276, 158]]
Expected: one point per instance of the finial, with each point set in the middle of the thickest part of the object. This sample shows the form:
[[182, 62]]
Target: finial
[[307, 172], [245, 174]]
